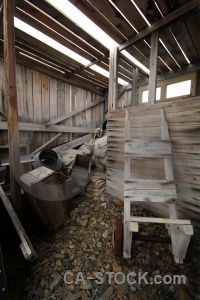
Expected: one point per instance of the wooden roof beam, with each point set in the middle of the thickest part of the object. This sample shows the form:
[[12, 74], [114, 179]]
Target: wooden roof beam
[[171, 17]]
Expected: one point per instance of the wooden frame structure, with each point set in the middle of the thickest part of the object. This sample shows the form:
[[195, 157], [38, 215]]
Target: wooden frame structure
[[162, 191]]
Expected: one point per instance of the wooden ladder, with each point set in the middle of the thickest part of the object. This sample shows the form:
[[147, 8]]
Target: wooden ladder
[[163, 191]]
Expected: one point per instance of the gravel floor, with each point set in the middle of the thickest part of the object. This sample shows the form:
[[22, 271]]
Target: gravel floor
[[84, 246]]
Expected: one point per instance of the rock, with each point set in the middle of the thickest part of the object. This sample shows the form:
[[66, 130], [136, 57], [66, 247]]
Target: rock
[[154, 260], [70, 278], [99, 244], [117, 268], [117, 202], [172, 289], [105, 234], [71, 257], [58, 248], [122, 284], [132, 289], [87, 286], [104, 205], [134, 297], [165, 287], [74, 296], [43, 283], [84, 223], [58, 263], [57, 280], [106, 295], [181, 294], [197, 297], [85, 217], [40, 292]]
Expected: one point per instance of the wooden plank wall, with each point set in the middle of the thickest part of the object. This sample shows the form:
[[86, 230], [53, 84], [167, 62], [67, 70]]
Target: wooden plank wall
[[183, 117], [42, 98]]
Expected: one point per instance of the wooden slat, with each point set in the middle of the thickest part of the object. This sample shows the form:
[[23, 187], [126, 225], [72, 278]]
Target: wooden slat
[[73, 144], [148, 184], [76, 111], [153, 68], [50, 128], [134, 101], [147, 148], [159, 220], [113, 79], [11, 99], [156, 194]]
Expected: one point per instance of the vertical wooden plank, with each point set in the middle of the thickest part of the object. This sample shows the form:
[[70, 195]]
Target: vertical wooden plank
[[113, 78], [89, 111], [45, 106], [127, 161], [72, 107], [3, 107], [153, 67], [78, 103], [67, 108], [93, 112], [61, 108], [28, 105], [20, 72], [37, 106], [29, 111], [97, 112], [11, 98], [102, 113], [84, 103], [53, 98], [134, 101]]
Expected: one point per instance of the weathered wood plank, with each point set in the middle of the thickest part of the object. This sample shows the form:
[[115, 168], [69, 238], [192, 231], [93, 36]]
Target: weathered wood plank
[[74, 143], [147, 147], [50, 128], [153, 67], [11, 99], [37, 106], [154, 195], [76, 111], [113, 79]]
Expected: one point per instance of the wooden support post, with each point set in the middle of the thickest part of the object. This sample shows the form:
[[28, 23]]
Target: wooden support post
[[1, 19], [134, 101], [11, 99], [113, 79], [153, 67]]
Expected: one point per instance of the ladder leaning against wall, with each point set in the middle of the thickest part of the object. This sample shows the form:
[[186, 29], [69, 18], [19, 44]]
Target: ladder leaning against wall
[[162, 191]]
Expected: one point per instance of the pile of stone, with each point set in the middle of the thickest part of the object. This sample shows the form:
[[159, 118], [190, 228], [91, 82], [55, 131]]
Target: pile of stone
[[70, 259]]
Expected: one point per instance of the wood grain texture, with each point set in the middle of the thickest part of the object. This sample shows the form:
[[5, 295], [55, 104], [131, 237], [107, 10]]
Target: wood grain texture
[[184, 130], [42, 99]]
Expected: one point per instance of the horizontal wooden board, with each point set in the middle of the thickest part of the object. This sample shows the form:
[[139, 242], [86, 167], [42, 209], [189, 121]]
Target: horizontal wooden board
[[157, 195], [147, 148]]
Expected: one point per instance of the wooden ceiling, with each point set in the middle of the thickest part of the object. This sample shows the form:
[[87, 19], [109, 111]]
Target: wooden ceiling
[[178, 30]]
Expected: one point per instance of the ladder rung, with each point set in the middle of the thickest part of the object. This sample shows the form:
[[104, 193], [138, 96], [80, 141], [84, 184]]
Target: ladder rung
[[159, 220], [148, 184], [147, 148], [150, 191]]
